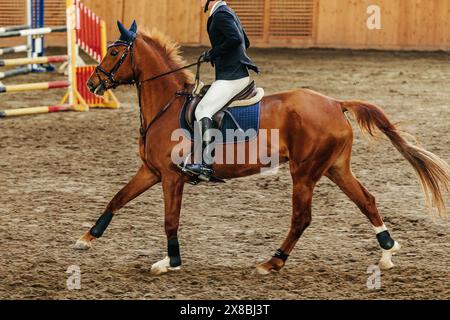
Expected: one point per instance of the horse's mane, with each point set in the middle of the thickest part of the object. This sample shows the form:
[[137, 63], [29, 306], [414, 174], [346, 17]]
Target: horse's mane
[[170, 48]]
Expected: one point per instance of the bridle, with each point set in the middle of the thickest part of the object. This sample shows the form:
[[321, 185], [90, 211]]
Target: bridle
[[110, 76], [111, 83]]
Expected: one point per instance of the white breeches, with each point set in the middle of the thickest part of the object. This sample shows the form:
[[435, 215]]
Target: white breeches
[[220, 93]]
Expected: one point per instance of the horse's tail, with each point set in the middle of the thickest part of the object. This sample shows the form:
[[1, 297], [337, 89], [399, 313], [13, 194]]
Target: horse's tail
[[433, 172]]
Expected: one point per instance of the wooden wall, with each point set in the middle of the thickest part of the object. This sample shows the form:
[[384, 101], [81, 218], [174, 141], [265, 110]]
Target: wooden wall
[[406, 24]]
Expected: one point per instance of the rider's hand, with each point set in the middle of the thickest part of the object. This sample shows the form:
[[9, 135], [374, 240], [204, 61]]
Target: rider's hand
[[207, 56]]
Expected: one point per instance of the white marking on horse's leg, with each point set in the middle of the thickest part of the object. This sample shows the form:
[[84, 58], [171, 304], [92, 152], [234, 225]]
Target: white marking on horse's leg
[[82, 244], [386, 257], [379, 229], [162, 266], [385, 239]]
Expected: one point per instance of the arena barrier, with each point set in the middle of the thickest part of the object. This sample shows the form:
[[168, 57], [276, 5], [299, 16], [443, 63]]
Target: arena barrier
[[14, 28], [22, 61], [32, 32], [14, 72], [34, 86], [86, 32], [34, 110], [16, 49]]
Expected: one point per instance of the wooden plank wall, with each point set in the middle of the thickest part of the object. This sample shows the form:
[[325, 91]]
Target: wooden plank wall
[[179, 19], [406, 24]]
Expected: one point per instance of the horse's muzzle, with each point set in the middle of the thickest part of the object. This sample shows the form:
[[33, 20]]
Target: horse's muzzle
[[97, 90]]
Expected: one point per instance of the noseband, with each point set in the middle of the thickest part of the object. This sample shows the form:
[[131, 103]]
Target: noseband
[[110, 76]]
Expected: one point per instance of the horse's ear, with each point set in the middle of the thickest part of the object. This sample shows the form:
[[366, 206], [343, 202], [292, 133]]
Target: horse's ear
[[133, 26], [122, 29], [125, 34]]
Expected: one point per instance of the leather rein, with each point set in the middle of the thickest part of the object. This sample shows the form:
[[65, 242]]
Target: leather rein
[[111, 83]]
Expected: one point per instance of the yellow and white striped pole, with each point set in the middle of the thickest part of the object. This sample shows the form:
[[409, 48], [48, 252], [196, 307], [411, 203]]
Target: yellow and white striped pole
[[73, 97]]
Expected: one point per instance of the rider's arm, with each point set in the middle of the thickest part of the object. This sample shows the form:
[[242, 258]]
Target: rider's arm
[[227, 26]]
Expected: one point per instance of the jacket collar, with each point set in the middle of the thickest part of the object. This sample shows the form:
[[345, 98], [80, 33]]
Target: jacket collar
[[216, 6]]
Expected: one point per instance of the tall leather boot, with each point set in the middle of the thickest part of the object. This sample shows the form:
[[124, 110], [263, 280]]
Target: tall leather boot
[[204, 170]]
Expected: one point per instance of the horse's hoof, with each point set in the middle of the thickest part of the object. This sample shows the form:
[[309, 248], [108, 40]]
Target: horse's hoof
[[162, 267], [385, 262], [263, 269], [273, 265], [82, 245]]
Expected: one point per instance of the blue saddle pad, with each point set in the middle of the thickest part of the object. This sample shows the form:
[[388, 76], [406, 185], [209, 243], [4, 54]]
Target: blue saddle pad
[[247, 117]]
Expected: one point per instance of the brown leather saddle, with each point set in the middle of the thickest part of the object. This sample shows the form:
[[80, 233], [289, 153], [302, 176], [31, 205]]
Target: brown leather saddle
[[249, 92]]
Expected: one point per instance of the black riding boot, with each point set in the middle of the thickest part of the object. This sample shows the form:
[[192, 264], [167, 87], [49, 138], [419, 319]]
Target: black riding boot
[[204, 170]]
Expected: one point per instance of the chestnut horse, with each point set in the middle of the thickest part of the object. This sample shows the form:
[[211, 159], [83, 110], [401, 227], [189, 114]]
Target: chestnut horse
[[315, 137]]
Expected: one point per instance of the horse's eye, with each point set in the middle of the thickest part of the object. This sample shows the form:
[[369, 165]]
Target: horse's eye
[[114, 53]]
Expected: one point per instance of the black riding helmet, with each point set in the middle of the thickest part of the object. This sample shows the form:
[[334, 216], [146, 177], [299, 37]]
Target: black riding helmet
[[207, 5]]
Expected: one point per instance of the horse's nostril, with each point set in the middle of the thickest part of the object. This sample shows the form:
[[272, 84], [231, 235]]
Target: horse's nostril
[[90, 84]]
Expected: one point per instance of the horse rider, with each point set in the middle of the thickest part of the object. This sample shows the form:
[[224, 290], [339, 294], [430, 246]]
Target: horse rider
[[228, 55]]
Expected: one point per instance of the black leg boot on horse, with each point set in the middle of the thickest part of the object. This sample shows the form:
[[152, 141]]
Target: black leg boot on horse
[[204, 169]]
